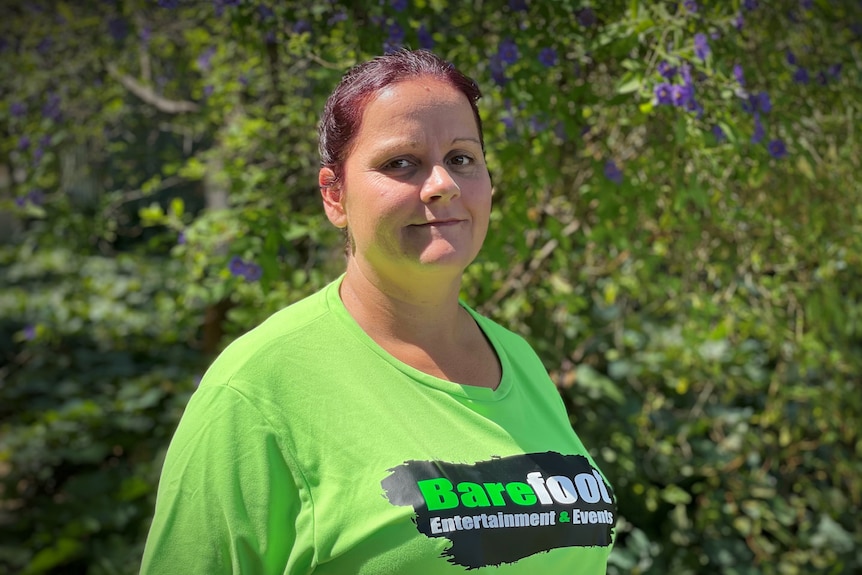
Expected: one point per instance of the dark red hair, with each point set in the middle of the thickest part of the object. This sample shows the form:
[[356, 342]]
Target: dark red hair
[[342, 114]]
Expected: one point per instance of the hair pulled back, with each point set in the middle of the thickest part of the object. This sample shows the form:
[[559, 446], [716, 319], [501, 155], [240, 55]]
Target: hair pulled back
[[342, 114]]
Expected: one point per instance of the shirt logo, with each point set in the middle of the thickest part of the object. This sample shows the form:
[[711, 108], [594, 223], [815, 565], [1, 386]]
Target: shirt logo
[[505, 509]]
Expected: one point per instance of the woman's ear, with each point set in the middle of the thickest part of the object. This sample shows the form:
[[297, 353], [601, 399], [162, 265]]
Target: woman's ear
[[333, 197]]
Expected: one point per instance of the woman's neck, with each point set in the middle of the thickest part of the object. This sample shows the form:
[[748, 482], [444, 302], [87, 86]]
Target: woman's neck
[[422, 324], [422, 311]]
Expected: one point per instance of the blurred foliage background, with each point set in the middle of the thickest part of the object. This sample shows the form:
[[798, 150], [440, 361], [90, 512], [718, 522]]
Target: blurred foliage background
[[677, 230]]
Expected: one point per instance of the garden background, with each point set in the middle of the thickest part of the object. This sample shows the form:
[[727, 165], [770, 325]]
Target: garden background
[[677, 230]]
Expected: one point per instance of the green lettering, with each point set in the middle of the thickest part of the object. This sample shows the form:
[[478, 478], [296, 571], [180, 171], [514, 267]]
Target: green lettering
[[474, 495], [438, 493], [495, 490], [521, 493]]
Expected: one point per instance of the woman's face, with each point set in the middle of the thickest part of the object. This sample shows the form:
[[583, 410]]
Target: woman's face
[[415, 190]]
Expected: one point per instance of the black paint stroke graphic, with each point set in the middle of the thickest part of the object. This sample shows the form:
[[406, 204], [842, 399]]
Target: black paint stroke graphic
[[481, 546]]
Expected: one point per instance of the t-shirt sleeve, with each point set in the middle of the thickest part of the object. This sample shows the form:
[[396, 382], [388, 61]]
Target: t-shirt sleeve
[[227, 500]]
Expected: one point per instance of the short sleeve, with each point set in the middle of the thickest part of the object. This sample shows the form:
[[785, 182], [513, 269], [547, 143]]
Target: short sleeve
[[227, 501]]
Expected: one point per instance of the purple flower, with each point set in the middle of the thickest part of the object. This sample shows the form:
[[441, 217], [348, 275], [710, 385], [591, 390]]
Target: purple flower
[[538, 124], [29, 332], [204, 61], [426, 41], [680, 95], [241, 268], [801, 76], [690, 6], [663, 94], [738, 21], [220, 5], [253, 272], [749, 4], [719, 134], [339, 16], [548, 57], [181, 239], [498, 71], [759, 132], [36, 197], [587, 18], [508, 51], [18, 109], [685, 74], [806, 4], [777, 149], [518, 5], [790, 57], [208, 90], [395, 38], [44, 45], [23, 143], [738, 74], [693, 105], [834, 71], [145, 34], [236, 266], [666, 70], [301, 27], [243, 79], [701, 45], [398, 5], [118, 29], [168, 3], [265, 12], [560, 131], [613, 172], [764, 104], [509, 122]]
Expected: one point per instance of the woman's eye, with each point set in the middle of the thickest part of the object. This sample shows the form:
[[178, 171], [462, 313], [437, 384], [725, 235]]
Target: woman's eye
[[399, 164], [461, 160]]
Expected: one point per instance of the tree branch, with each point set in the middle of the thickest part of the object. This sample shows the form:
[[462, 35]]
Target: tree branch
[[147, 94]]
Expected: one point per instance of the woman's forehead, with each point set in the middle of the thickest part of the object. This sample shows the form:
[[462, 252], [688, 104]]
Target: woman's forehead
[[417, 105]]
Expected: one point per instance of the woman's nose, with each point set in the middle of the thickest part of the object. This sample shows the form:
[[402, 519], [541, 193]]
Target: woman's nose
[[440, 185]]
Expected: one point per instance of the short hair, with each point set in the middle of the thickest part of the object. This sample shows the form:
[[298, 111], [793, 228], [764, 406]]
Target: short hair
[[342, 114]]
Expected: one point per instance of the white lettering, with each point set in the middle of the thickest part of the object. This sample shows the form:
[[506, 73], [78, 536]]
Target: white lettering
[[435, 525], [606, 497], [587, 487], [562, 489], [537, 482]]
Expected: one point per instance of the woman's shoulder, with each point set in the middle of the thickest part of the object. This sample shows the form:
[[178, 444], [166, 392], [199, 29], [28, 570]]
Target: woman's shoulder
[[289, 331], [497, 331]]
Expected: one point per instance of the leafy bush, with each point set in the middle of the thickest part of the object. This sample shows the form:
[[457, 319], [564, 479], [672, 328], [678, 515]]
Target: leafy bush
[[676, 229]]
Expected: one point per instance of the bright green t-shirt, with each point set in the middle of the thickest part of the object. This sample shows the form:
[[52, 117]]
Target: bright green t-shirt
[[307, 448]]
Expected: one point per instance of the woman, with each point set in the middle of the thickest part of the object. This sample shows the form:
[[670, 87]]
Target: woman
[[381, 426]]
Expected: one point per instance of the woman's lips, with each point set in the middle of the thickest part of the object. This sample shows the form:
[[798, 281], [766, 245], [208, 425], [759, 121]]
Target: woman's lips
[[440, 223]]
